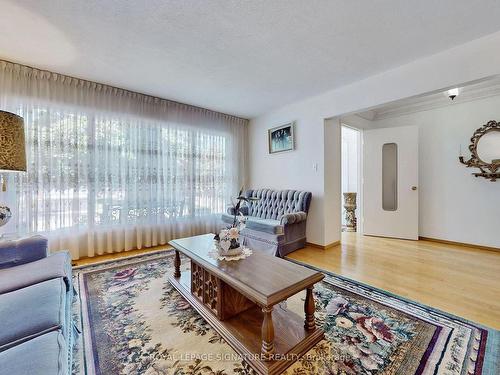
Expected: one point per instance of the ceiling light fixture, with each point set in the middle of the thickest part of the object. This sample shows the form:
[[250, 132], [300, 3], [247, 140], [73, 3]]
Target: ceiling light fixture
[[453, 93]]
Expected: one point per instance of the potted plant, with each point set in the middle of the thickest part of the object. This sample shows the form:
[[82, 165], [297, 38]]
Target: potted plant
[[228, 240]]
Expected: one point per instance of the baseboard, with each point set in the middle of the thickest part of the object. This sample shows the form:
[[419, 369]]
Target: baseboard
[[323, 247], [459, 243], [390, 238]]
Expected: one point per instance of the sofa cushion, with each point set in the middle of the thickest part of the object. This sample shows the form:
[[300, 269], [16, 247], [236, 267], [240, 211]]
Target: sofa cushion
[[256, 223], [54, 266], [44, 355], [32, 311]]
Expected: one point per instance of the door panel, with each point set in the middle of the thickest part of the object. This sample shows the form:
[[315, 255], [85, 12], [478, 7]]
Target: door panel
[[390, 180]]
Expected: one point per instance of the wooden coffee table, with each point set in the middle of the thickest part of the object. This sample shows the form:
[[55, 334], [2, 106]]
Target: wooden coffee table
[[237, 298]]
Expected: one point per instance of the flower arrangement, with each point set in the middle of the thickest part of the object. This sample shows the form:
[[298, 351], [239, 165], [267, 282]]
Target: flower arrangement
[[228, 239]]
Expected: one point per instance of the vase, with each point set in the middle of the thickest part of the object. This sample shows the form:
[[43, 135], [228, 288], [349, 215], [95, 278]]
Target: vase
[[229, 252], [350, 212], [234, 248]]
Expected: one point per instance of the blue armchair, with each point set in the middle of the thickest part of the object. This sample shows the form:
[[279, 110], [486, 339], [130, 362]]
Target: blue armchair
[[276, 220], [36, 292]]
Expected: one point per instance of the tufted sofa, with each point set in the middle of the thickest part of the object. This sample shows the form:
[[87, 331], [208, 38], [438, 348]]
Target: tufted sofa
[[276, 220]]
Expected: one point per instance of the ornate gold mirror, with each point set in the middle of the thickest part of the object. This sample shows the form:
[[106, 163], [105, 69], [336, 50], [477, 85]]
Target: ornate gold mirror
[[485, 151]]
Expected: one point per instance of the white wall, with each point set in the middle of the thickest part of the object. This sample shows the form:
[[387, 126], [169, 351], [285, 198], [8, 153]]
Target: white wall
[[332, 190], [294, 170], [298, 169], [349, 160], [454, 205], [350, 164]]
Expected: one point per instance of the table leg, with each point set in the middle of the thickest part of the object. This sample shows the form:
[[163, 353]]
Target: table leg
[[267, 333], [310, 321], [177, 265]]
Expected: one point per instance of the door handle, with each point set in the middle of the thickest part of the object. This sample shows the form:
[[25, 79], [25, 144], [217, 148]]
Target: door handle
[[413, 188]]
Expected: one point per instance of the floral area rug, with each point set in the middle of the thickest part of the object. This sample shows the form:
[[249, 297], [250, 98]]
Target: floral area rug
[[134, 322]]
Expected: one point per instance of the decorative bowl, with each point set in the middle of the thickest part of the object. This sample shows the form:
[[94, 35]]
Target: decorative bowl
[[232, 252]]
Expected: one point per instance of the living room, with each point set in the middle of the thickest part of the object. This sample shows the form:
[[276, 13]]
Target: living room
[[265, 187]]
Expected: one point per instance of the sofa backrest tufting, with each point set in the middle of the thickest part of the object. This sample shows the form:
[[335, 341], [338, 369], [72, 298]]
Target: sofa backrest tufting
[[271, 204]]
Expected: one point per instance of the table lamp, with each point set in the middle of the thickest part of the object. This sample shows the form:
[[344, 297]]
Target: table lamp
[[12, 152]]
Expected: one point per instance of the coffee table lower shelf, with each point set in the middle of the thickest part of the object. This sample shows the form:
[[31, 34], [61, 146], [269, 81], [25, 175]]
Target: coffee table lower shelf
[[243, 331]]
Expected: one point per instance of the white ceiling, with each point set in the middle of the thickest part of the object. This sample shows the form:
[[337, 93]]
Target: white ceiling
[[239, 57], [469, 92]]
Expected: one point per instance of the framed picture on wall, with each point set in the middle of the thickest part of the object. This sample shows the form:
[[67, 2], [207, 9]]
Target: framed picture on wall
[[281, 138]]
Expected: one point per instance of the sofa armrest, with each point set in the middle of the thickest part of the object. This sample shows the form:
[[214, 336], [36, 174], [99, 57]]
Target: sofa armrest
[[293, 217], [16, 252], [51, 267]]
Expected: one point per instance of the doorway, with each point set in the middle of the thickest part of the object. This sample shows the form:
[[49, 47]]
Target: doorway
[[390, 182], [351, 173]]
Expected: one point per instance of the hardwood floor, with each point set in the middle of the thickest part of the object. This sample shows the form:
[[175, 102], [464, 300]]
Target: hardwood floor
[[106, 257], [460, 280]]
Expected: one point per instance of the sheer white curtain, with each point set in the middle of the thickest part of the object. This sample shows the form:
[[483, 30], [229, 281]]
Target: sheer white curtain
[[112, 170]]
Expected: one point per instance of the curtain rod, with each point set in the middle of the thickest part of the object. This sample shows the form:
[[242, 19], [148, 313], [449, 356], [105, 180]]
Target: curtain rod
[[82, 80]]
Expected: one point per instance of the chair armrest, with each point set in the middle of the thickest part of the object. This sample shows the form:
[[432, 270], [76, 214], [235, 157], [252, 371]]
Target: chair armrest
[[293, 217], [16, 252]]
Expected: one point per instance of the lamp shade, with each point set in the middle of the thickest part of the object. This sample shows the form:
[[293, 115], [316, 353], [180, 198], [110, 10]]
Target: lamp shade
[[12, 148]]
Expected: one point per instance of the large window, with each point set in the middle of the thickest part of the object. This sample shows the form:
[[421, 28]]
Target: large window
[[112, 170], [107, 171]]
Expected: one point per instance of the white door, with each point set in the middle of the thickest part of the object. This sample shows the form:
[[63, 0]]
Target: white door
[[390, 182]]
